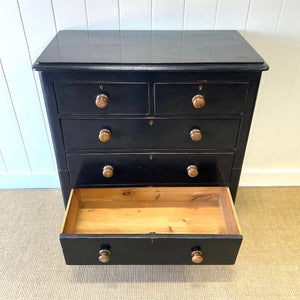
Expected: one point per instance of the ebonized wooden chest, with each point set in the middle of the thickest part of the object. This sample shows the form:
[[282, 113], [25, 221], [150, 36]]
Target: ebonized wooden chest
[[150, 130]]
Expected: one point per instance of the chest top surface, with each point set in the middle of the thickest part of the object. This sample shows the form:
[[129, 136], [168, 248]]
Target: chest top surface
[[150, 50]]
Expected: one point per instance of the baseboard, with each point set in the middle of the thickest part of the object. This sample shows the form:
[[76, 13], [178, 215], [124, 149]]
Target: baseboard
[[29, 181], [270, 178]]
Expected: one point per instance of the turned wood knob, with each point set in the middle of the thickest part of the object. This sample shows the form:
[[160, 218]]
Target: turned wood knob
[[102, 101], [108, 171], [192, 171], [104, 256], [196, 135], [104, 135], [198, 101], [197, 257]]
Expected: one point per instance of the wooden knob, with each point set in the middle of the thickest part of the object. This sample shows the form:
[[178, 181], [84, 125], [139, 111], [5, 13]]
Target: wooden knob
[[192, 171], [104, 135], [104, 256], [196, 135], [197, 257], [108, 171], [198, 101], [102, 101]]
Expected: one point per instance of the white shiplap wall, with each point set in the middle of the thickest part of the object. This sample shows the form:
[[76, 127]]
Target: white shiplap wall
[[271, 26]]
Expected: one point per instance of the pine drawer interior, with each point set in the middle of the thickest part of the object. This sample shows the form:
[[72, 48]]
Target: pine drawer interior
[[160, 210]]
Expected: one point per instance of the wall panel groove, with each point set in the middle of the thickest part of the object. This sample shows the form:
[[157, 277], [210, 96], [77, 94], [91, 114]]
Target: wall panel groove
[[3, 168], [39, 94], [11, 139], [271, 26]]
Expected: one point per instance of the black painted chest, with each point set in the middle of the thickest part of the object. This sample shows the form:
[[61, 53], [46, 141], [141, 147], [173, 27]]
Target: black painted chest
[[150, 130]]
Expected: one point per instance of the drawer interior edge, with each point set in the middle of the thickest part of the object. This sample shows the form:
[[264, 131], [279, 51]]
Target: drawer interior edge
[[162, 210]]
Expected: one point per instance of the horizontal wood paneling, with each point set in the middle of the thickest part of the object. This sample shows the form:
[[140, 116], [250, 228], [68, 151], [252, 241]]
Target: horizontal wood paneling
[[167, 14], [69, 14], [103, 14], [271, 26], [3, 169], [232, 14], [135, 14], [11, 141], [19, 76], [200, 14]]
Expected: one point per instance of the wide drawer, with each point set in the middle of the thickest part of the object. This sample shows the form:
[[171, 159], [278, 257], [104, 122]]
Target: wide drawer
[[123, 98], [193, 225], [211, 169], [215, 98], [84, 134]]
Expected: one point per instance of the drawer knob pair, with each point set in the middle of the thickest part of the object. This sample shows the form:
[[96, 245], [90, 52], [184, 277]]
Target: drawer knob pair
[[108, 171], [102, 101], [198, 101], [104, 256], [105, 134]]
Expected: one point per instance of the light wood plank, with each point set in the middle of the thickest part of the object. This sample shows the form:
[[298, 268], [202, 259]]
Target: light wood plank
[[71, 214], [296, 164], [289, 23], [150, 194], [103, 14], [261, 29], [199, 14], [135, 14], [10, 136], [17, 67], [3, 169], [232, 14], [268, 139], [167, 14], [287, 141], [180, 210], [228, 212], [39, 30], [70, 14]]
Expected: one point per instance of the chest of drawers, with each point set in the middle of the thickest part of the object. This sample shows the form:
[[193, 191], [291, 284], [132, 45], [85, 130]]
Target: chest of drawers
[[149, 130]]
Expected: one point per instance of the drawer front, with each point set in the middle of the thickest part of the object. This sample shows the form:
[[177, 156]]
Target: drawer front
[[123, 98], [87, 169], [85, 250], [219, 98], [150, 134]]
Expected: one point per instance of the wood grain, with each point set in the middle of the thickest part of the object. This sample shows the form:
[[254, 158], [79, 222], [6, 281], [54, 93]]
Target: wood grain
[[191, 210], [72, 210]]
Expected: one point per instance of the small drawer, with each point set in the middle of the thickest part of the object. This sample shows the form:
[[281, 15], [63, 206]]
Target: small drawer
[[117, 169], [102, 134], [200, 99], [188, 226], [113, 98]]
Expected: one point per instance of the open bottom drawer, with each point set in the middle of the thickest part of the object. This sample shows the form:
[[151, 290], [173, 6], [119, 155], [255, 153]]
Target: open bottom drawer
[[151, 225]]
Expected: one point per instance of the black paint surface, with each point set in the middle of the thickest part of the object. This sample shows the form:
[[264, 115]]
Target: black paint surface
[[124, 98], [140, 134], [173, 99], [150, 249], [86, 169], [150, 78], [148, 50]]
